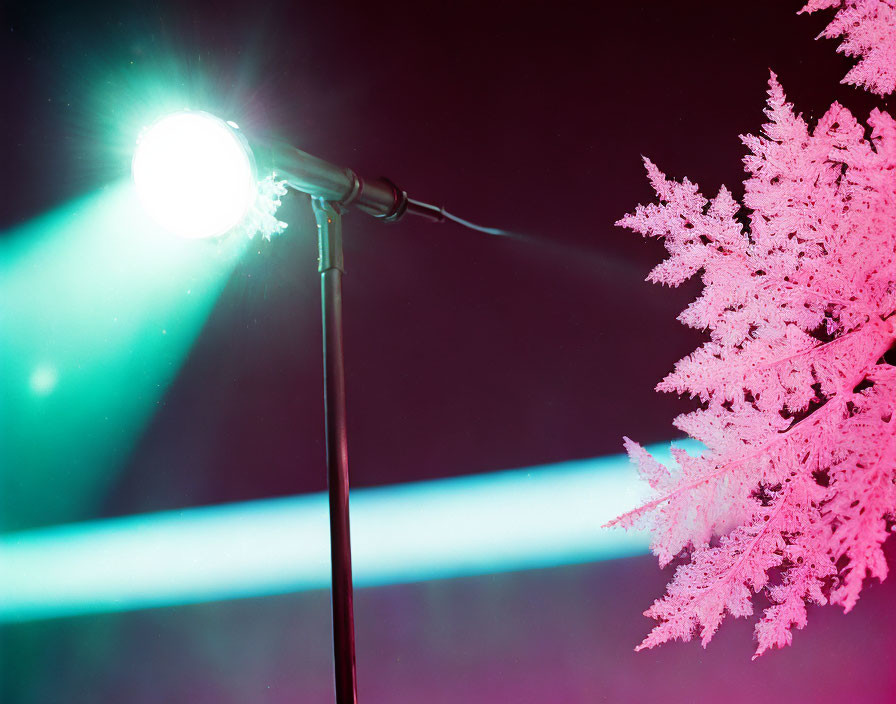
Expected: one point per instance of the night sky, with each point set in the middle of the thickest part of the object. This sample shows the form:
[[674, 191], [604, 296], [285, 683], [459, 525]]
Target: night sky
[[465, 353]]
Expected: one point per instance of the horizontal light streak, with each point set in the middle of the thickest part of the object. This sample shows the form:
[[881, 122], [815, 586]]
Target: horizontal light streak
[[517, 519]]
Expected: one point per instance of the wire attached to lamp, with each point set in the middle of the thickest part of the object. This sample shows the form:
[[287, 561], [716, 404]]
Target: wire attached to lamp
[[437, 213], [343, 187]]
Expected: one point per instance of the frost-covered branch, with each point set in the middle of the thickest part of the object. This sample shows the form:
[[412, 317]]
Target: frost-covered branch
[[797, 399], [868, 28]]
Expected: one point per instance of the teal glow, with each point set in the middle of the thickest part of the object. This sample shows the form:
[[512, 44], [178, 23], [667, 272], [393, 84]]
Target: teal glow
[[518, 519], [98, 309]]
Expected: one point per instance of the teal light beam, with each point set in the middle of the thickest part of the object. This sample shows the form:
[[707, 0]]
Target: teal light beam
[[537, 517], [98, 310]]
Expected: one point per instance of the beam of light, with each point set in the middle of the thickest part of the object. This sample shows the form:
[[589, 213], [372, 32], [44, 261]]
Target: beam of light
[[511, 520], [98, 309]]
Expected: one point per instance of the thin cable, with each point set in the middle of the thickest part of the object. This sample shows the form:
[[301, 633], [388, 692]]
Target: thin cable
[[600, 261], [497, 232], [479, 228], [437, 213]]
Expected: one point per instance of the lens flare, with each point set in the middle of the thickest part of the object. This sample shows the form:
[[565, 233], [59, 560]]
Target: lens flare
[[194, 174]]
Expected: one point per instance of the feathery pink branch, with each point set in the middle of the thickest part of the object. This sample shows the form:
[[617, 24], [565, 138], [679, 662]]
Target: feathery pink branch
[[799, 403]]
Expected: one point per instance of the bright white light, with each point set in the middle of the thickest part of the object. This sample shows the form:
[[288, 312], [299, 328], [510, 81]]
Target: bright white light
[[194, 174]]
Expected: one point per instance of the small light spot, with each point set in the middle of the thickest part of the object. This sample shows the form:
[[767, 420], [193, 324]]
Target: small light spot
[[43, 379]]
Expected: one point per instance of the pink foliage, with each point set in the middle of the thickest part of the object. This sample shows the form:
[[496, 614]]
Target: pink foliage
[[868, 28], [795, 489]]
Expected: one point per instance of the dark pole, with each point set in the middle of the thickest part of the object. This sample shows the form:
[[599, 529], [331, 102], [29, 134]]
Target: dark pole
[[329, 227], [333, 188]]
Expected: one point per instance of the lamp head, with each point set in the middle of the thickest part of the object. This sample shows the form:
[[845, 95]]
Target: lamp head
[[194, 173]]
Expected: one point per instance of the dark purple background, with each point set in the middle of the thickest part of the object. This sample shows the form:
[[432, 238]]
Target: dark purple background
[[465, 354]]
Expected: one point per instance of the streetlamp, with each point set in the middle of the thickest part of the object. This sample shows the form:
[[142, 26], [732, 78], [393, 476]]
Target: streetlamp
[[196, 174]]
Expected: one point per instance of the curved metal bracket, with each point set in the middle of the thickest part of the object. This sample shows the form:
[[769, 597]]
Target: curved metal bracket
[[329, 234]]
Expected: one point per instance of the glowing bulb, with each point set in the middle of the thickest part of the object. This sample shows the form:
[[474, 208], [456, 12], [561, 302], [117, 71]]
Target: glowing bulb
[[194, 174]]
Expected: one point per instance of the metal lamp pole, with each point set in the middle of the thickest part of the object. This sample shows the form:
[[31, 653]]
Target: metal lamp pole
[[332, 189], [330, 266]]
